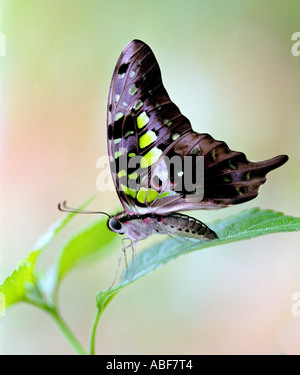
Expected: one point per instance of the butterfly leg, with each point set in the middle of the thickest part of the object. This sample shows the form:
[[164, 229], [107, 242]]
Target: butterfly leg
[[134, 258], [123, 252]]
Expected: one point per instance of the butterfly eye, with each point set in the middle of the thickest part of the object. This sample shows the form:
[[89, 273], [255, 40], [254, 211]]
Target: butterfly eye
[[115, 225]]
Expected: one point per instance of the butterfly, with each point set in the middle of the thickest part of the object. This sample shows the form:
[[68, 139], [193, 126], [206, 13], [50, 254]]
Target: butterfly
[[143, 122], [145, 126]]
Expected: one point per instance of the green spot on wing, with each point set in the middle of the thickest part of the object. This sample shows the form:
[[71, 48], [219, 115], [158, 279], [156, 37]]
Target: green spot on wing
[[128, 133], [141, 195], [151, 157], [146, 195], [133, 176], [147, 138], [132, 90], [152, 195], [196, 150], [122, 173], [213, 154], [230, 165], [142, 120], [167, 122], [138, 105], [118, 116], [128, 191]]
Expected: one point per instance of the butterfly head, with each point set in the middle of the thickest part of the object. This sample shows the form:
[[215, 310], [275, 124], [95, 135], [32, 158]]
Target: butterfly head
[[115, 225]]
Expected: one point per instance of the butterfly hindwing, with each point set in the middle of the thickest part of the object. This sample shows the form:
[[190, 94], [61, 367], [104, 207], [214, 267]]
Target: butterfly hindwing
[[229, 177], [144, 122]]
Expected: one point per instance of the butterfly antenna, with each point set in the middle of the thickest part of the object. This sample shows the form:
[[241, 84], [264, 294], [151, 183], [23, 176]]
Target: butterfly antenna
[[64, 208]]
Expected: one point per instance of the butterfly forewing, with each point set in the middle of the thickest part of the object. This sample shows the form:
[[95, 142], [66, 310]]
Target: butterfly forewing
[[143, 121]]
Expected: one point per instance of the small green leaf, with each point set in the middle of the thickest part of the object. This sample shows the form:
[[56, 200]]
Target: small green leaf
[[16, 286], [103, 298], [245, 225]]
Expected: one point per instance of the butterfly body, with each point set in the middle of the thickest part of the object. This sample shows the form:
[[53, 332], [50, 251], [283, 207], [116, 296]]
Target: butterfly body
[[139, 227], [143, 122]]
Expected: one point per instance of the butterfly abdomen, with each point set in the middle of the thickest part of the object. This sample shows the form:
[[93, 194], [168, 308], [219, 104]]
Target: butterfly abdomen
[[186, 226]]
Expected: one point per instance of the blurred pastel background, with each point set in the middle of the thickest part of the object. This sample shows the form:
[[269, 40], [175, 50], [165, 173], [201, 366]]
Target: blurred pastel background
[[228, 66]]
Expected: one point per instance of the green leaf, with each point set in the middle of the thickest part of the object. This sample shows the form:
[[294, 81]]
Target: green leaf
[[15, 287], [104, 298], [245, 225]]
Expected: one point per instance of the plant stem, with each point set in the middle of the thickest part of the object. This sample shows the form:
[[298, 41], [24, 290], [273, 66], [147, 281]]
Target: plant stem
[[67, 332], [93, 331]]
